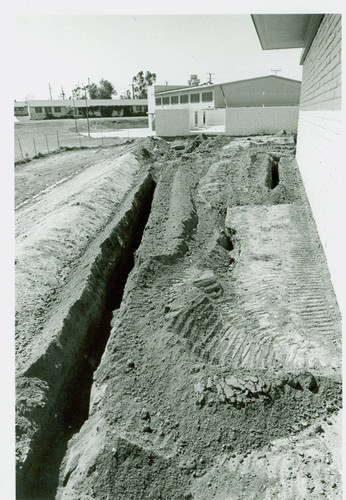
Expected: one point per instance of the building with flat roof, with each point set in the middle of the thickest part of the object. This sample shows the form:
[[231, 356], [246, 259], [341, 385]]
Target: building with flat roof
[[47, 109], [319, 141], [20, 108], [206, 105]]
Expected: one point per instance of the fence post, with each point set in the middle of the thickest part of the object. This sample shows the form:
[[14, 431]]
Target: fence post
[[20, 147], [47, 144], [33, 139], [57, 136]]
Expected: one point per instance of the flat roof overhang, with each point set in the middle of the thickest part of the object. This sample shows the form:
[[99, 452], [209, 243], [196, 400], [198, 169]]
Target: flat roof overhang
[[286, 31]]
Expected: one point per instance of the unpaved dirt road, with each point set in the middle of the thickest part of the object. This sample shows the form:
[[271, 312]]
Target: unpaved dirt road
[[177, 332]]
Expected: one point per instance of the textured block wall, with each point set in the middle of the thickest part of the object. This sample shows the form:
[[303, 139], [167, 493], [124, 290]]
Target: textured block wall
[[319, 143], [215, 117], [172, 122], [247, 121]]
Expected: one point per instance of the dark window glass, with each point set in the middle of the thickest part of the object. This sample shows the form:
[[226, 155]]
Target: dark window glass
[[174, 99], [184, 99], [194, 97], [165, 100], [158, 101], [207, 96]]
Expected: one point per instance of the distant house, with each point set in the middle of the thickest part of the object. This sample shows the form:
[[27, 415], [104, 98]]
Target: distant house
[[319, 142], [20, 108], [206, 105], [49, 109]]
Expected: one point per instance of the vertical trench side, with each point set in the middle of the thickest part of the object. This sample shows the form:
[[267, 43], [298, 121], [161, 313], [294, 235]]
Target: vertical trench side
[[38, 479], [273, 179]]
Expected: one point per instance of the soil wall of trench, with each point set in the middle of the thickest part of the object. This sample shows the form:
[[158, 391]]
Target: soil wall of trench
[[215, 369]]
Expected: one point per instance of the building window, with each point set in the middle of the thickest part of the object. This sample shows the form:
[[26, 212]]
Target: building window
[[165, 100], [48, 109], [174, 99], [57, 109], [194, 97], [184, 99], [207, 96], [158, 101], [38, 110]]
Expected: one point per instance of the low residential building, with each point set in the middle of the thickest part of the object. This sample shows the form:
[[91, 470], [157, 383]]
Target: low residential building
[[208, 105], [319, 142], [20, 108], [49, 109]]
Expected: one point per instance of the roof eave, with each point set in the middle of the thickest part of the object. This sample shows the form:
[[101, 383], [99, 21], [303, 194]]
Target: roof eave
[[297, 41], [205, 87]]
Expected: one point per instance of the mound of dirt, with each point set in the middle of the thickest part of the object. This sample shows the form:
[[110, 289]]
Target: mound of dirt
[[191, 346]]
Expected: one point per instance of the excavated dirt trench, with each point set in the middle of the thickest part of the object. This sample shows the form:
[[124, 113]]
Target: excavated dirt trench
[[71, 407], [221, 374]]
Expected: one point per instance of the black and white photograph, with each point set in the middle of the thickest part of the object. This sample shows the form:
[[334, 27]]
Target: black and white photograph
[[178, 186]]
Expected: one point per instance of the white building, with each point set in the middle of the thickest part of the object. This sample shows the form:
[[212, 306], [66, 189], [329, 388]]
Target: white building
[[319, 143], [180, 110], [45, 109]]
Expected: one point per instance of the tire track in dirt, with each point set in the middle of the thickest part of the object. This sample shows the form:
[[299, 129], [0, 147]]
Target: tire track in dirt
[[202, 349], [273, 303]]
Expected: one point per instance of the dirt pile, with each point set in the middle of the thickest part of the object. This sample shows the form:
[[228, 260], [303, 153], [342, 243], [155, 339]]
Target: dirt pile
[[221, 374]]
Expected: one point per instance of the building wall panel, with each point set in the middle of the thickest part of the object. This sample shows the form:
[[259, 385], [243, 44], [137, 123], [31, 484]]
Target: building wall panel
[[215, 117], [319, 142], [250, 121], [172, 122], [267, 91]]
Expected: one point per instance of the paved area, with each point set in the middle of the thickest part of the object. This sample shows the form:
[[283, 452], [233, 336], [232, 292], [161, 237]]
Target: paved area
[[130, 132]]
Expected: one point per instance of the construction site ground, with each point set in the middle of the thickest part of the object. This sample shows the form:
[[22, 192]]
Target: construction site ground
[[177, 333]]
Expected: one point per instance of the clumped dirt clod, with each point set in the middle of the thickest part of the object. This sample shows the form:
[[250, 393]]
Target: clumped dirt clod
[[221, 374]]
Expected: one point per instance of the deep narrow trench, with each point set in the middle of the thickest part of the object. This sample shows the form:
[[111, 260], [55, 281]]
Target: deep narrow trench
[[274, 174], [72, 407]]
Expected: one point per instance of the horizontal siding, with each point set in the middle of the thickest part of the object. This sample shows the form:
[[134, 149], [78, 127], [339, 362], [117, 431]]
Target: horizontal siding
[[319, 144]]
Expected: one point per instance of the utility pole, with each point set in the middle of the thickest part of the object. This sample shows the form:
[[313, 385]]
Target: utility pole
[[87, 111], [62, 93], [74, 112], [275, 71], [209, 81], [50, 91]]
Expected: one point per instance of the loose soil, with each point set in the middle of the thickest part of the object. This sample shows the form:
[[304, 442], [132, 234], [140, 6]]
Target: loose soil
[[177, 332]]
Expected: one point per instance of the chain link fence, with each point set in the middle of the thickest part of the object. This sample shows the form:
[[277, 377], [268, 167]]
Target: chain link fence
[[28, 148]]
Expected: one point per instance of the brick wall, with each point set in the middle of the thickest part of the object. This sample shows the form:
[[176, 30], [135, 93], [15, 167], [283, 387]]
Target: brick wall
[[247, 121], [319, 152], [321, 86]]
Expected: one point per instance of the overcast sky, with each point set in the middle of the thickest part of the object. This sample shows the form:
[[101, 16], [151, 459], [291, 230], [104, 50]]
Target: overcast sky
[[67, 50]]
